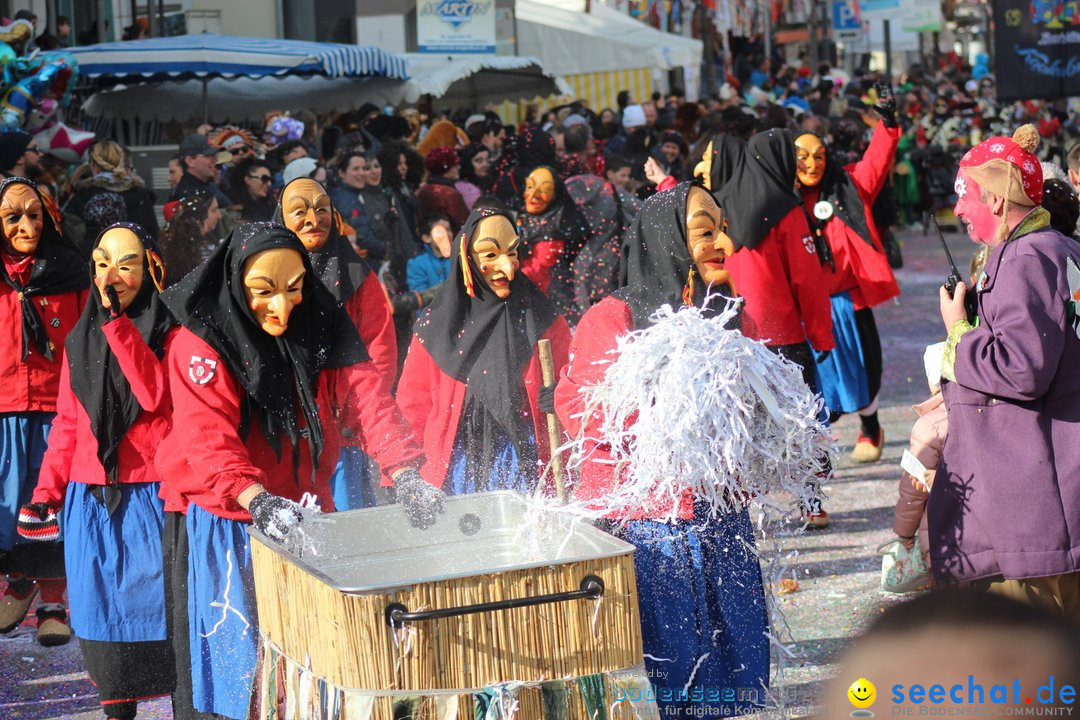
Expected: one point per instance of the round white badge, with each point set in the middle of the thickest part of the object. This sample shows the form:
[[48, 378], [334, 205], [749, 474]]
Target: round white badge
[[823, 210]]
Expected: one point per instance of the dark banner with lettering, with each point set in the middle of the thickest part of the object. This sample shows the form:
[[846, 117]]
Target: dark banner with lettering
[[1037, 49]]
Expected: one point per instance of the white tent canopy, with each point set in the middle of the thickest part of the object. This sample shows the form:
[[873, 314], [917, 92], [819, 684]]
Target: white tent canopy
[[569, 41], [482, 79], [461, 81]]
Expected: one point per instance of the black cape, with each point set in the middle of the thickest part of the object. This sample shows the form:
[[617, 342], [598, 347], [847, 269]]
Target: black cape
[[656, 260], [210, 302], [96, 378], [341, 270], [486, 343], [58, 267], [761, 190]]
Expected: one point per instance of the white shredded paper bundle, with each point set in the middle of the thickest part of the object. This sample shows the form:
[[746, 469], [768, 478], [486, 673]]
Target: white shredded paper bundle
[[690, 405]]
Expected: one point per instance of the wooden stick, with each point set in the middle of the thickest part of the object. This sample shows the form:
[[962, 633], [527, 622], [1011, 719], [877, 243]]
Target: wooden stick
[[547, 370]]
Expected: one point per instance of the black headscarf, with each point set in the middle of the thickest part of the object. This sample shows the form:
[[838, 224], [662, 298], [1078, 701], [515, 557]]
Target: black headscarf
[[728, 152], [530, 149], [96, 378], [210, 302], [341, 270], [837, 188], [656, 261], [761, 190], [58, 267], [486, 343]]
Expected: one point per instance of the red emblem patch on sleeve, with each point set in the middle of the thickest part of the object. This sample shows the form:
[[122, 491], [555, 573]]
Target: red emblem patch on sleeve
[[201, 370]]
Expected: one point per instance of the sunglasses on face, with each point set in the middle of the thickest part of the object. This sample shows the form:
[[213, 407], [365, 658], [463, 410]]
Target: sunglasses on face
[[33, 150], [260, 178], [240, 150]]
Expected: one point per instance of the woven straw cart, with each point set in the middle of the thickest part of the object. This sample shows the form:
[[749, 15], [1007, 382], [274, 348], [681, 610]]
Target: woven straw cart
[[493, 605]]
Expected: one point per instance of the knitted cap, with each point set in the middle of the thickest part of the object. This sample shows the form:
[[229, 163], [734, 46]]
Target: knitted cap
[[633, 116], [38, 522], [1008, 166]]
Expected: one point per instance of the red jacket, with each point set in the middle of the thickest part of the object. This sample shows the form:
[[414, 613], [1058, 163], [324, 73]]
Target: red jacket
[[33, 384], [591, 351], [203, 460], [786, 296], [369, 309], [72, 454], [432, 401], [861, 269], [543, 256]]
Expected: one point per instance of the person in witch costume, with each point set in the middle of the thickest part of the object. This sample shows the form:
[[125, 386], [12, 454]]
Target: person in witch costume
[[775, 268], [306, 209], [264, 361], [837, 201], [42, 294], [98, 473], [529, 149], [703, 614], [553, 231], [472, 383]]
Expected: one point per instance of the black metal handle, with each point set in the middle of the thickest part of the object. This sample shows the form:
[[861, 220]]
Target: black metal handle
[[591, 587]]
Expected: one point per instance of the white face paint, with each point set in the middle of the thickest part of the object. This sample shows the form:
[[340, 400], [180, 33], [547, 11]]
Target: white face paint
[[960, 186]]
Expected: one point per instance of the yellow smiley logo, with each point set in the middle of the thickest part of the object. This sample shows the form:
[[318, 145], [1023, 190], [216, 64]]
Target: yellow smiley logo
[[862, 694]]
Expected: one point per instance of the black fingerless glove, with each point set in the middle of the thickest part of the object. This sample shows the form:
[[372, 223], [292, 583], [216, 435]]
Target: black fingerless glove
[[886, 104], [274, 516], [422, 501], [115, 309], [545, 399]]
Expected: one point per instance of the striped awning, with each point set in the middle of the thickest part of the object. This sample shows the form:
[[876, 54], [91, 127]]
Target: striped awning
[[207, 55], [599, 90]]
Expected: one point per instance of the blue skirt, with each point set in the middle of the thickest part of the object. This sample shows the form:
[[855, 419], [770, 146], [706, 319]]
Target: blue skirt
[[24, 436], [842, 376], [222, 619], [506, 471], [116, 585], [353, 481], [703, 614]]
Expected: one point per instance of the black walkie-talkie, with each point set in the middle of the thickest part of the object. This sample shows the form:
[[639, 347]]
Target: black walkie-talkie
[[954, 274]]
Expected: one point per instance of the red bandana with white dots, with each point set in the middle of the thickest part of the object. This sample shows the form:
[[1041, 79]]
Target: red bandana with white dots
[[1003, 148]]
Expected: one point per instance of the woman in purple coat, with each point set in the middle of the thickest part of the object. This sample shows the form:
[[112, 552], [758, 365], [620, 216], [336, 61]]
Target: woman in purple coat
[[1005, 507]]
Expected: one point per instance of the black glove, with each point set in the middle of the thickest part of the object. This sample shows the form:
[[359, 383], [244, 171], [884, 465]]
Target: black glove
[[428, 295], [115, 309], [406, 303], [37, 521], [886, 104], [274, 516], [822, 356], [422, 501], [611, 527], [545, 399]]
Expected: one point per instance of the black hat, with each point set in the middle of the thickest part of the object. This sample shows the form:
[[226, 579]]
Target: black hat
[[577, 138], [12, 146], [197, 145]]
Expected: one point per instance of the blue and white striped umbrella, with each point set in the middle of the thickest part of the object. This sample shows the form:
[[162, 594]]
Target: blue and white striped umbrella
[[206, 56]]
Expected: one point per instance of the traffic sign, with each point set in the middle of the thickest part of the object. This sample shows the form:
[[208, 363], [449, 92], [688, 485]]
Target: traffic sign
[[845, 15]]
